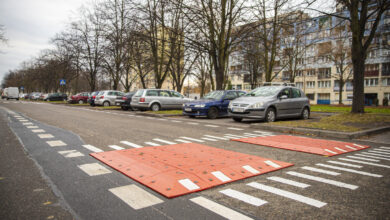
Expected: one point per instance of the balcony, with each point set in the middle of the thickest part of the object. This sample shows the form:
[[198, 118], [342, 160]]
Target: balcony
[[370, 73], [323, 76], [386, 73]]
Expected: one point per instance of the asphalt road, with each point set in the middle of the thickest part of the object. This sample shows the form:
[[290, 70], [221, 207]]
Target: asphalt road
[[89, 196]]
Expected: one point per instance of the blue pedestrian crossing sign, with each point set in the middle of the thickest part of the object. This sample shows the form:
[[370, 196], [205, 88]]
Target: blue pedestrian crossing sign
[[21, 88], [62, 82]]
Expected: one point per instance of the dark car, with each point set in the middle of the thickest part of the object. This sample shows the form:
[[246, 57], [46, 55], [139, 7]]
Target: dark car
[[79, 98], [212, 105], [92, 97], [56, 97], [124, 101]]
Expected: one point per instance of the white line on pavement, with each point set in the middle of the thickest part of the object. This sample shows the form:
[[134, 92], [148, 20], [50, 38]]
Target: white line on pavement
[[381, 155], [289, 182], [323, 180], [349, 170], [152, 144], [163, 141], [272, 164], [131, 144], [383, 150], [320, 171], [183, 141], [218, 209], [375, 157], [250, 169], [221, 176], [236, 129], [71, 153], [379, 152], [288, 194], [92, 148], [363, 162], [45, 136], [192, 123], [243, 197], [116, 147], [219, 138], [362, 158], [212, 126], [55, 143], [191, 139], [208, 139], [187, 183], [94, 169], [38, 130], [344, 164]]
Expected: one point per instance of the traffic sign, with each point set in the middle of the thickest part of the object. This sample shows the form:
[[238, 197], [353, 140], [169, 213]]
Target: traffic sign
[[21, 88], [62, 82]]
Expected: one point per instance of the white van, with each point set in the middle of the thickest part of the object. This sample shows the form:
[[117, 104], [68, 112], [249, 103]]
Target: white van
[[12, 93]]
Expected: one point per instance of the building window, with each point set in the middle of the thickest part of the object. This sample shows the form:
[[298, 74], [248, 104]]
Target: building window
[[247, 87], [349, 97], [387, 95], [310, 84], [238, 87], [311, 72], [299, 73], [386, 82], [299, 85], [324, 84], [371, 82], [310, 96]]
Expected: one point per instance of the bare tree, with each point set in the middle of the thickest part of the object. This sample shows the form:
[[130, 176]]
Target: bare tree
[[202, 71]]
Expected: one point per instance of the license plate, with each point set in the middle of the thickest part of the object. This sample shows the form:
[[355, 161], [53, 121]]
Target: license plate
[[188, 109], [238, 109], [118, 103]]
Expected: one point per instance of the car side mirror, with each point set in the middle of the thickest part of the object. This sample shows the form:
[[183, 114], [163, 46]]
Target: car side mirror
[[283, 97]]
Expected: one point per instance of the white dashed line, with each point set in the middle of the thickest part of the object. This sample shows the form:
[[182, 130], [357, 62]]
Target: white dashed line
[[382, 150], [363, 162], [71, 153], [250, 169], [212, 126], [32, 127], [288, 182], [219, 209], [94, 169], [187, 183], [344, 164], [243, 197], [92, 148], [287, 194], [378, 152], [352, 148], [163, 141], [323, 180], [375, 157], [152, 144], [381, 155], [349, 170], [192, 123], [45, 136], [116, 147], [339, 149], [38, 130], [183, 141], [135, 197], [362, 158], [208, 139], [332, 152], [219, 138], [221, 176], [320, 171], [272, 164], [55, 143], [131, 144], [236, 129], [191, 139]]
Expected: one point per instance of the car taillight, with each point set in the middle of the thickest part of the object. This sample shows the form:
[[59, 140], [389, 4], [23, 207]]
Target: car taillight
[[94, 97], [124, 98], [102, 97], [142, 100]]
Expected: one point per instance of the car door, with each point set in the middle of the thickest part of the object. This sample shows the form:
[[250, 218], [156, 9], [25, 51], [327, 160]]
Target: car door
[[178, 99], [230, 95], [298, 101], [283, 103], [165, 99]]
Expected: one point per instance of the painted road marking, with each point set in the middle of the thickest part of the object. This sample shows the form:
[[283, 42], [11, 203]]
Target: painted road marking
[[288, 182], [233, 137], [218, 209], [163, 141], [332, 152], [320, 171], [192, 123], [347, 146], [384, 147], [370, 156], [70, 153], [383, 150], [131, 144], [183, 141], [55, 143], [187, 183], [236, 129], [272, 164], [221, 176], [363, 162], [323, 180], [38, 130], [116, 147], [212, 126], [339, 149], [288, 194], [265, 133], [162, 119], [357, 145], [349, 170], [152, 144], [135, 197], [176, 121], [381, 155], [219, 138], [344, 164], [250, 169], [243, 197], [94, 169], [362, 158], [92, 148], [27, 123], [379, 152], [208, 139], [23, 120], [192, 139], [45, 136]]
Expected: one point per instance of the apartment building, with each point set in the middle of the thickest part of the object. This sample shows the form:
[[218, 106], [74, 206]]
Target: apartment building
[[326, 42]]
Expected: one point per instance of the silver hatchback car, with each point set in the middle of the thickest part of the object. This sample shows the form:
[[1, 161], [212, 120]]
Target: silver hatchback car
[[107, 97], [270, 103], [157, 99]]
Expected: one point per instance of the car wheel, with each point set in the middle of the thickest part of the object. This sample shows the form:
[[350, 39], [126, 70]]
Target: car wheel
[[305, 113], [191, 116], [124, 108], [81, 102], [155, 107], [237, 119], [212, 113], [270, 115], [106, 104]]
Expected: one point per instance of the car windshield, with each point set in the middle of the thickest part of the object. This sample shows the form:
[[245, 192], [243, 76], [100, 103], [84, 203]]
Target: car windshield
[[214, 95], [139, 92], [264, 91]]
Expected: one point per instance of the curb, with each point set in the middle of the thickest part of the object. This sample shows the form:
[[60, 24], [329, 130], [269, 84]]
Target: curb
[[157, 115], [322, 133]]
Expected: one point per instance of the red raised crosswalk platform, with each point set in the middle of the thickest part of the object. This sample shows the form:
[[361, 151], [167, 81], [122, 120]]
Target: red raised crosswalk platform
[[304, 144], [179, 169]]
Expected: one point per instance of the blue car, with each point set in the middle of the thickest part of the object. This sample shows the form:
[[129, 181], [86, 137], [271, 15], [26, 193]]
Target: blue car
[[212, 105]]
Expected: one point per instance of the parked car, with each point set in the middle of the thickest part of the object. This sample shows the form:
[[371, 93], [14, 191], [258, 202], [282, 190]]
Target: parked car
[[35, 95], [79, 98], [125, 101], [11, 93], [56, 97], [43, 96], [270, 103], [157, 99], [213, 104], [107, 97], [22, 95], [92, 97]]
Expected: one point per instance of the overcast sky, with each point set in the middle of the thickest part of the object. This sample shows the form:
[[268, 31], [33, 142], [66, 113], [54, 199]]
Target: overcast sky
[[29, 26]]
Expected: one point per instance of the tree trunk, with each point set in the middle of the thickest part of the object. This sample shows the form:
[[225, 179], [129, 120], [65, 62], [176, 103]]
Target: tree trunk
[[358, 84]]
